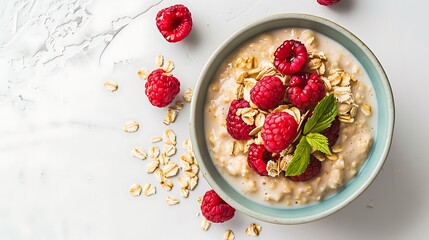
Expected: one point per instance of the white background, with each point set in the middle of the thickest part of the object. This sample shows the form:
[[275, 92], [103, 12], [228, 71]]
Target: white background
[[65, 163]]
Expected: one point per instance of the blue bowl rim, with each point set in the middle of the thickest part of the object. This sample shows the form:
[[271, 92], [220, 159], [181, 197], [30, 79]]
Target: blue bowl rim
[[199, 91]]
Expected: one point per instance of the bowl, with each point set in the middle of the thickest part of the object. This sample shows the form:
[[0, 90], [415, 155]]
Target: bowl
[[382, 138]]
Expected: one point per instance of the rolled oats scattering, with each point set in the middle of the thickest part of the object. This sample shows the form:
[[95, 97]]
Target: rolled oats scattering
[[184, 192], [155, 139], [171, 115], [159, 60], [253, 230], [187, 95], [111, 86], [149, 189], [170, 169], [152, 166], [143, 73], [154, 152], [135, 190], [183, 183], [167, 184], [205, 225], [229, 235], [138, 152], [131, 126], [172, 201], [169, 66], [169, 137]]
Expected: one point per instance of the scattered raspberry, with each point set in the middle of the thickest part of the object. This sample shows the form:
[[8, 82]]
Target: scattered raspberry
[[161, 88], [306, 90], [332, 132], [290, 57], [313, 169], [174, 22], [215, 209], [257, 159], [268, 92], [235, 126], [279, 131], [327, 2]]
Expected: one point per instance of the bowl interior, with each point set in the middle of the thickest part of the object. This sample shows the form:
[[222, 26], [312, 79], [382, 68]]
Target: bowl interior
[[382, 140]]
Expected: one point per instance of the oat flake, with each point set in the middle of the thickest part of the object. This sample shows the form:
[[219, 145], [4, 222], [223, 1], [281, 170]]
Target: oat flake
[[229, 235], [187, 95], [138, 152], [143, 73], [205, 225], [159, 60], [135, 190], [253, 230], [111, 86], [149, 189], [172, 201], [131, 126]]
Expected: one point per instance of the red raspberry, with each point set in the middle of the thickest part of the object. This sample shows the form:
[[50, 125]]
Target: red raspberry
[[174, 22], [268, 92], [161, 88], [327, 2], [290, 57], [235, 126], [279, 131], [313, 169], [215, 209], [257, 159], [332, 132], [306, 90]]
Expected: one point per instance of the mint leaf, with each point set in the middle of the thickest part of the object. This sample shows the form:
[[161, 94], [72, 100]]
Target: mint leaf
[[323, 115], [318, 142], [301, 158]]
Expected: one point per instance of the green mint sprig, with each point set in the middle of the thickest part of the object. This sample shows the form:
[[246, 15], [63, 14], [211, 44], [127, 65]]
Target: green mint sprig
[[323, 115]]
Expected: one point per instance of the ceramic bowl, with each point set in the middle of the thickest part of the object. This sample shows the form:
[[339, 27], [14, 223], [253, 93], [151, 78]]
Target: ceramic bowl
[[382, 138]]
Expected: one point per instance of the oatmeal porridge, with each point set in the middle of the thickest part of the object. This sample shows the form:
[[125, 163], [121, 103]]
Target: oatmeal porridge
[[342, 76]]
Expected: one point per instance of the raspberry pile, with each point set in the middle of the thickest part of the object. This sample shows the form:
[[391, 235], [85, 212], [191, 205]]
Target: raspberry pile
[[174, 22], [313, 169], [161, 88], [268, 92], [332, 132], [235, 125], [215, 209], [257, 159], [290, 57], [279, 131], [327, 2], [306, 90], [293, 86]]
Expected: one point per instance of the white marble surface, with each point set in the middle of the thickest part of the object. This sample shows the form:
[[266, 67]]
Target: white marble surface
[[65, 167]]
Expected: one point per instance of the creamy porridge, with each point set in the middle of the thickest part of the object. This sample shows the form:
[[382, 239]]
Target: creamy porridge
[[342, 75]]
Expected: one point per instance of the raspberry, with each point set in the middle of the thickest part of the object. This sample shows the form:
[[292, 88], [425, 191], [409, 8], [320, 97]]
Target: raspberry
[[313, 169], [268, 92], [174, 22], [279, 131], [332, 132], [235, 126], [161, 88], [327, 2], [290, 57], [306, 90], [215, 209], [257, 159]]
